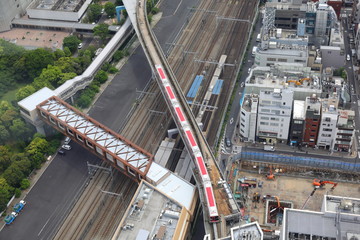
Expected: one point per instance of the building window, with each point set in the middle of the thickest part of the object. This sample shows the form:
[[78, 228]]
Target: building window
[[61, 126], [264, 123], [90, 145], [282, 60], [52, 120], [274, 124], [43, 114], [79, 138], [70, 132], [242, 113], [298, 122], [271, 59]]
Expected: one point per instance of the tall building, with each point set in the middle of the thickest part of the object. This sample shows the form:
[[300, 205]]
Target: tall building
[[312, 120], [274, 114], [10, 9], [297, 125], [248, 115], [329, 118], [345, 131], [339, 218]]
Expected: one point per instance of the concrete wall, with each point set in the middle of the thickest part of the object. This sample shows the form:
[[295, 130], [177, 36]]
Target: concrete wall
[[9, 9]]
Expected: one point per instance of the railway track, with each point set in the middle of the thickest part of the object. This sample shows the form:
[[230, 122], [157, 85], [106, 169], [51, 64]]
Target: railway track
[[203, 38], [114, 207], [90, 218], [73, 227]]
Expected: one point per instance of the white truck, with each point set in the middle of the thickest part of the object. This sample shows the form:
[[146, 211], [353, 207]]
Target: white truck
[[269, 148]]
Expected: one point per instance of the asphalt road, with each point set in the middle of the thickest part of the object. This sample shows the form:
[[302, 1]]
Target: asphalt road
[[51, 197], [235, 108], [54, 193]]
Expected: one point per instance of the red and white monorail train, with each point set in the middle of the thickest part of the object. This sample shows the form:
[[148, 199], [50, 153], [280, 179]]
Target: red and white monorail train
[[190, 141]]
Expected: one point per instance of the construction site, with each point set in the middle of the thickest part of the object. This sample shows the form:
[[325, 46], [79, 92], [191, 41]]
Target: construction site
[[264, 191]]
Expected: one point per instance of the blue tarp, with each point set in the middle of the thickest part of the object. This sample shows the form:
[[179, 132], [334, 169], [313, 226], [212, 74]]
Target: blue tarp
[[195, 86], [217, 88]]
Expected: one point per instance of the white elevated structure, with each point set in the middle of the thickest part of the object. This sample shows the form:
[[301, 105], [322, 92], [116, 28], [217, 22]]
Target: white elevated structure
[[95, 137]]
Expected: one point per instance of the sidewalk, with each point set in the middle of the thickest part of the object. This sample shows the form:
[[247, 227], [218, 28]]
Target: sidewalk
[[291, 149]]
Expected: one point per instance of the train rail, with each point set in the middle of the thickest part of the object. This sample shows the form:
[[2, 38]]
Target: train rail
[[184, 119]]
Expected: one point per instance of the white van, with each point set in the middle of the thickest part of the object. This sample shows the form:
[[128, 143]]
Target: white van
[[253, 51], [258, 38]]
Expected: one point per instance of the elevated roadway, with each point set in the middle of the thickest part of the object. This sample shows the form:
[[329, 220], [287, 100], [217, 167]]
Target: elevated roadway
[[188, 127]]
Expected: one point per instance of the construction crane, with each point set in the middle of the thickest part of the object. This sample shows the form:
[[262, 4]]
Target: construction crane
[[270, 176], [297, 83], [319, 184], [304, 79]]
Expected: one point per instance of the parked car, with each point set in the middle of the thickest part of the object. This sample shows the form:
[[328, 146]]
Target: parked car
[[67, 141], [80, 45], [348, 57], [66, 147], [227, 142], [61, 152]]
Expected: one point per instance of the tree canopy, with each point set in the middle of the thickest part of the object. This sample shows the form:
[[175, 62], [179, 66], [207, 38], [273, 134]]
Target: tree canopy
[[110, 9], [71, 42], [94, 12], [102, 31]]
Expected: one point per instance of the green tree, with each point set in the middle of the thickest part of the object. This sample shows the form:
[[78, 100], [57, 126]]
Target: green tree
[[84, 101], [49, 77], [24, 92], [102, 31], [118, 55], [59, 53], [119, 3], [5, 193], [101, 77], [13, 175], [70, 65], [38, 144], [36, 60], [66, 76], [5, 159], [20, 130], [94, 12], [4, 134], [24, 184], [67, 52], [110, 9], [8, 117], [71, 42]]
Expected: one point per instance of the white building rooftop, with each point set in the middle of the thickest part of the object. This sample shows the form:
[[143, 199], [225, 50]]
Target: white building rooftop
[[33, 100], [299, 109]]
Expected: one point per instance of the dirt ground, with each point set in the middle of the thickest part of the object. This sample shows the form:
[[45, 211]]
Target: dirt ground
[[31, 38], [289, 189]]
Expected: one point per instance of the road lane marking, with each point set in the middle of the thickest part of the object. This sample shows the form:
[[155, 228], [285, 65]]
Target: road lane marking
[[47, 221]]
